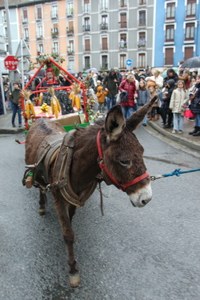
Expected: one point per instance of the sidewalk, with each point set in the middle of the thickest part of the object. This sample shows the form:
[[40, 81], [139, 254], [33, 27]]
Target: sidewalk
[[184, 138]]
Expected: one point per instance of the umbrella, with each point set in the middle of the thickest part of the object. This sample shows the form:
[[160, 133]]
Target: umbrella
[[192, 62], [92, 70]]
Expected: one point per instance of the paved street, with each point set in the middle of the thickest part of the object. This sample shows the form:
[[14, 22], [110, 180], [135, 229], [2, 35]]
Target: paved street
[[132, 254]]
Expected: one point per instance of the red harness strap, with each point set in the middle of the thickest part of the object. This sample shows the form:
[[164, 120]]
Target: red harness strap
[[103, 167]]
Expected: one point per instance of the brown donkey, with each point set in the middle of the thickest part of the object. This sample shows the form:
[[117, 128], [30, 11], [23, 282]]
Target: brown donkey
[[72, 164]]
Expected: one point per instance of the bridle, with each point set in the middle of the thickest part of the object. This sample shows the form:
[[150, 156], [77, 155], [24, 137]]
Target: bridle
[[104, 168]]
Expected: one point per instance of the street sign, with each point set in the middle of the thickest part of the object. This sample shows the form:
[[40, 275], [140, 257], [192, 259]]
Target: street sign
[[129, 62], [11, 63]]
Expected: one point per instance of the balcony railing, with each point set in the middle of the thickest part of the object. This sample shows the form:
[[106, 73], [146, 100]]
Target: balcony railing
[[70, 52], [141, 44], [70, 31], [54, 34], [86, 27], [104, 26], [39, 37]]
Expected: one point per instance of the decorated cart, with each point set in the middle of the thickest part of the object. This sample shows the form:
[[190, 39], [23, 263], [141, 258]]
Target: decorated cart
[[54, 93]]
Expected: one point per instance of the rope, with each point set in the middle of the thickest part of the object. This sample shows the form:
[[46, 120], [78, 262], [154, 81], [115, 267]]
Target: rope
[[176, 172]]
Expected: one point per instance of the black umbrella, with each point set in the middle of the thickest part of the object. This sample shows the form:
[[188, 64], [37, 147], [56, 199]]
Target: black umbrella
[[192, 62]]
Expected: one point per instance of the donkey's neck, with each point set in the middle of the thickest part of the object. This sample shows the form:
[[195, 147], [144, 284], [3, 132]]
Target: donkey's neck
[[84, 167]]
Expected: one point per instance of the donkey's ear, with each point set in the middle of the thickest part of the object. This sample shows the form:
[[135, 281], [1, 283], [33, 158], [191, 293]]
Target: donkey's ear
[[138, 116], [114, 122]]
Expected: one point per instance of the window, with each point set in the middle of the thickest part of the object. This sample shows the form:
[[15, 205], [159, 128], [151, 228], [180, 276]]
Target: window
[[87, 62], [104, 22], [142, 60], [170, 11], [122, 43], [123, 3], [87, 44], [169, 33], [70, 9], [39, 31], [142, 39], [70, 28], [70, 48], [24, 15], [104, 63], [86, 7], [55, 48], [169, 56], [142, 2], [104, 43], [123, 20], [40, 48], [86, 26], [189, 52], [104, 4], [189, 31], [38, 12], [26, 33], [54, 12], [142, 18], [122, 61], [191, 8]]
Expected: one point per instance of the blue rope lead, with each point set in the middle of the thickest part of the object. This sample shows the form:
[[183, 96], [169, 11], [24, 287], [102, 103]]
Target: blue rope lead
[[176, 172]]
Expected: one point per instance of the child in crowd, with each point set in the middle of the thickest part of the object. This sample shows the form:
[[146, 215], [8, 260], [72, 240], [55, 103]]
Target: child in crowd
[[154, 91], [143, 98], [178, 99], [101, 94]]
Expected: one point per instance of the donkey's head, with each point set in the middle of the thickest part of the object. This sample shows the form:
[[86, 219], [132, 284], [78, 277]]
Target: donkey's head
[[121, 155]]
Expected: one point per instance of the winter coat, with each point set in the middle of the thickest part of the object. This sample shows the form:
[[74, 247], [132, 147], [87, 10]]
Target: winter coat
[[143, 97], [178, 98], [15, 96], [129, 87], [101, 94], [111, 83], [195, 100]]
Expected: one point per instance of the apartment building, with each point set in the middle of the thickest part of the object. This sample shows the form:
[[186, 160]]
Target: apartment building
[[106, 33], [177, 31]]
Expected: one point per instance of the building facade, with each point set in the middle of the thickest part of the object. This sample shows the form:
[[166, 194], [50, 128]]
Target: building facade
[[105, 33], [177, 31]]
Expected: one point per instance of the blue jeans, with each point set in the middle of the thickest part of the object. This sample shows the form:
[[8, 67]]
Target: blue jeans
[[16, 110], [197, 120], [145, 117], [110, 102], [128, 111], [178, 121]]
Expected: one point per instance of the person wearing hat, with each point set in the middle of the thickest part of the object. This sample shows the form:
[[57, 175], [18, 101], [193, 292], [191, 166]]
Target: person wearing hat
[[14, 98]]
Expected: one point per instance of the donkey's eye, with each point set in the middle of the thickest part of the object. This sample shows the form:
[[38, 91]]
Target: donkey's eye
[[125, 163]]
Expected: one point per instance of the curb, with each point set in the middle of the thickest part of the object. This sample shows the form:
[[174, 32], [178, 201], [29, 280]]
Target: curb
[[176, 138], [11, 131]]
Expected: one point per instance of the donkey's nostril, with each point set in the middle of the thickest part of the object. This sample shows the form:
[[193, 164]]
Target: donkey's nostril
[[144, 202]]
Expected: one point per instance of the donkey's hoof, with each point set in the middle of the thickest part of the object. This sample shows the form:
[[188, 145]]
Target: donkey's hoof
[[41, 211], [74, 280]]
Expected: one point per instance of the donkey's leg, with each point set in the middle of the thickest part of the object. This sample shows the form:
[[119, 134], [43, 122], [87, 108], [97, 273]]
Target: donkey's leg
[[65, 213], [42, 202]]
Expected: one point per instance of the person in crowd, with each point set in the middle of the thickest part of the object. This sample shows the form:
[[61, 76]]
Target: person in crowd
[[157, 78], [128, 86], [154, 91], [142, 98], [111, 83], [171, 74], [14, 98], [185, 76], [195, 107], [165, 112], [101, 96], [1, 103], [178, 100]]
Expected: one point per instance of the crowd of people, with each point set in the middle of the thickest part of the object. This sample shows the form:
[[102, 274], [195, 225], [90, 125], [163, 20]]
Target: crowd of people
[[178, 95]]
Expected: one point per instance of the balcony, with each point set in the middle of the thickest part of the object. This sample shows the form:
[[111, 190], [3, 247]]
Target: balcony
[[86, 28], [104, 49], [54, 16], [122, 45], [39, 37], [70, 52], [141, 44], [54, 32], [25, 21], [70, 31], [70, 13], [104, 26]]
